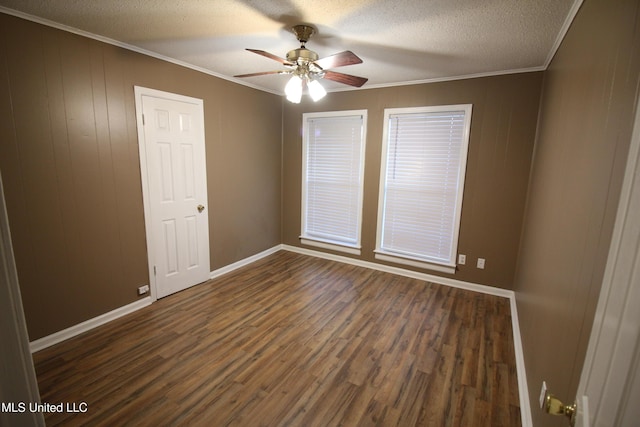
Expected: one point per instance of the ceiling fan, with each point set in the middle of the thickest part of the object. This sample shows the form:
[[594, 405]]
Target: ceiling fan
[[306, 68]]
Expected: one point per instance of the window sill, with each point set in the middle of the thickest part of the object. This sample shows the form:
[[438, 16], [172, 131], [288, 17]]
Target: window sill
[[353, 250], [382, 256]]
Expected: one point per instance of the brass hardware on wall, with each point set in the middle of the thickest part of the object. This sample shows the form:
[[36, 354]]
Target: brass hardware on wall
[[553, 406]]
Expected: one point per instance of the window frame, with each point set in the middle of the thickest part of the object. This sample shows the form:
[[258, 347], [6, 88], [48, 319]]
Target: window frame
[[315, 240], [425, 261]]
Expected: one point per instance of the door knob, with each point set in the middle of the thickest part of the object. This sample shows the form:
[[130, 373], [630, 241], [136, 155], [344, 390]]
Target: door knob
[[200, 208], [553, 406]]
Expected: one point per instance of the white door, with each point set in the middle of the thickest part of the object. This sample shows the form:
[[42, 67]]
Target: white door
[[609, 390], [172, 157], [18, 383]]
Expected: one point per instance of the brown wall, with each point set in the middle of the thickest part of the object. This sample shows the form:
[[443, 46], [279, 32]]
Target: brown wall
[[69, 162], [503, 127], [587, 114]]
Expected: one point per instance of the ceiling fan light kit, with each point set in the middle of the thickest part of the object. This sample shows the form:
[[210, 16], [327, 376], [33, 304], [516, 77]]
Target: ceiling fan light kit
[[293, 89], [316, 91], [306, 68]]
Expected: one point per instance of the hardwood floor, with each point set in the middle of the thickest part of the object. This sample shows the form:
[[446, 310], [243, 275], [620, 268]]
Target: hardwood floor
[[293, 340]]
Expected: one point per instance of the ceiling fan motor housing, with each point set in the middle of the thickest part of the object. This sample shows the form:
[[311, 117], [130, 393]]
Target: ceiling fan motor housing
[[302, 55]]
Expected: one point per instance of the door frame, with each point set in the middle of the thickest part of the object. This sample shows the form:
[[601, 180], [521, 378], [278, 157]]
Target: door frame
[[144, 172], [20, 382], [611, 369]]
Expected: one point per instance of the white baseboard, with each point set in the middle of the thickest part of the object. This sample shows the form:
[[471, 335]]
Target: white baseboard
[[229, 268], [85, 326], [404, 272], [525, 407]]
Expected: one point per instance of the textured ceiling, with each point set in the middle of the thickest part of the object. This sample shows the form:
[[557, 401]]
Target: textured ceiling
[[399, 41]]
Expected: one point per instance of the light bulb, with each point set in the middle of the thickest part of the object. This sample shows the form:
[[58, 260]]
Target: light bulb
[[293, 90], [316, 91]]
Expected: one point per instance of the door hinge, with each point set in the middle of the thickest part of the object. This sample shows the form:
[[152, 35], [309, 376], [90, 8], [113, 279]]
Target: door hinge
[[143, 123], [154, 271]]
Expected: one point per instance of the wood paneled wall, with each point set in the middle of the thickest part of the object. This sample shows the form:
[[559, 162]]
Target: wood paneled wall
[[69, 161], [503, 126], [587, 112]]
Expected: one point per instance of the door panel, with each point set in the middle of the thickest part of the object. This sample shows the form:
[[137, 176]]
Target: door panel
[[178, 236]]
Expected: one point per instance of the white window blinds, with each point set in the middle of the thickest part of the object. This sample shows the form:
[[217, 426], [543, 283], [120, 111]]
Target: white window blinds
[[422, 178], [333, 166]]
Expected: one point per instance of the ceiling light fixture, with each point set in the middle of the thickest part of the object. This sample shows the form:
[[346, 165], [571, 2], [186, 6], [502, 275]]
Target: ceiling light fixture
[[316, 91], [293, 89], [307, 68]]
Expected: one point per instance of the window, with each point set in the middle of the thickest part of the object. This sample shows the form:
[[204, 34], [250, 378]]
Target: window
[[332, 179], [424, 157]]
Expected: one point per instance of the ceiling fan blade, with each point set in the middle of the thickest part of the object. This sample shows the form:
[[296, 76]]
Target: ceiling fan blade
[[346, 79], [338, 60], [270, 56], [262, 73]]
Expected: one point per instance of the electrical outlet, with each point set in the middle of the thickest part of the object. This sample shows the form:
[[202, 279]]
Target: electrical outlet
[[143, 289], [462, 259], [543, 393], [480, 264]]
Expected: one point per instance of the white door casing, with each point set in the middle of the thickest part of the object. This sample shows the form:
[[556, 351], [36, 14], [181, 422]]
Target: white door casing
[[173, 169], [18, 382]]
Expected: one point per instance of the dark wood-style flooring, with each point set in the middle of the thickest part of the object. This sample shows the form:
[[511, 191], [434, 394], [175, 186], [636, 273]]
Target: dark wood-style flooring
[[293, 340]]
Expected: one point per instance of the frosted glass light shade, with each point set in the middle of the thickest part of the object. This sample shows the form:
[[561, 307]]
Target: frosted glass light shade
[[316, 91], [293, 90]]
